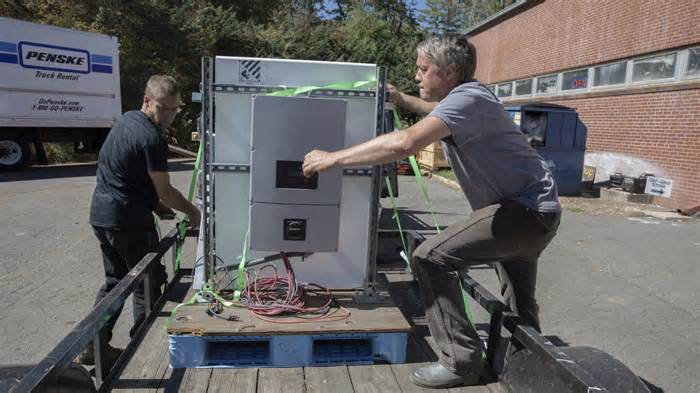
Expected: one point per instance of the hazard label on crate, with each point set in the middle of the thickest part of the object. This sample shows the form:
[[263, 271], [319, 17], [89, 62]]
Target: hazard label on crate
[[250, 71]]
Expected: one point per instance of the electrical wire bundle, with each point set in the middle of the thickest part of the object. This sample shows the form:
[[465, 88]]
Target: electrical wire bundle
[[270, 296]]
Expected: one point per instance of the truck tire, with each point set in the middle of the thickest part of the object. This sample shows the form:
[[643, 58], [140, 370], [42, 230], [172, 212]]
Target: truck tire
[[14, 152]]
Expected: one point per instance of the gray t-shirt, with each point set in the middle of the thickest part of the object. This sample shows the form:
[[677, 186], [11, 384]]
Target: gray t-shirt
[[490, 157]]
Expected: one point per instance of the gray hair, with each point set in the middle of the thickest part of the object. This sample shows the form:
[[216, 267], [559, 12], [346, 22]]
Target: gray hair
[[451, 49], [159, 86]]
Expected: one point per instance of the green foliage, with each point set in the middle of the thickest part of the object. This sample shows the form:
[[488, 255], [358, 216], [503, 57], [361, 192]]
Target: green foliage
[[453, 16], [171, 36]]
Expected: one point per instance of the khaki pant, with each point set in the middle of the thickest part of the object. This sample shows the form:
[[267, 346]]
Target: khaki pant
[[508, 233]]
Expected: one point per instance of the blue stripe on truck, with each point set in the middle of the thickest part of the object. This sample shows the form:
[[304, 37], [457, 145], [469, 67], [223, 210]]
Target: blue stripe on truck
[[102, 59], [8, 58], [8, 47], [105, 69]]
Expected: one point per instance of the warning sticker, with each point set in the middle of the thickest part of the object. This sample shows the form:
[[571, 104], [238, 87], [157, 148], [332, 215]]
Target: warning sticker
[[250, 71]]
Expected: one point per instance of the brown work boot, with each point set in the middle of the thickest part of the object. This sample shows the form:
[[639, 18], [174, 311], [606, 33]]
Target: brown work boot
[[87, 357]]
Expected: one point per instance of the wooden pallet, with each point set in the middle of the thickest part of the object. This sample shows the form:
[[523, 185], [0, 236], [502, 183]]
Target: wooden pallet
[[147, 370], [384, 317], [371, 333], [432, 157]]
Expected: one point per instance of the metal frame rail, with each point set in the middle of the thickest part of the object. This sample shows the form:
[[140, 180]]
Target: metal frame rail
[[501, 315], [44, 374]]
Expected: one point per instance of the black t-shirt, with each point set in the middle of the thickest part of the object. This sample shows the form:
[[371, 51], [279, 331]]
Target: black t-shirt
[[124, 196]]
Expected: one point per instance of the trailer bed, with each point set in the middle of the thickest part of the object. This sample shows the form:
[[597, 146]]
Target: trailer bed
[[148, 369]]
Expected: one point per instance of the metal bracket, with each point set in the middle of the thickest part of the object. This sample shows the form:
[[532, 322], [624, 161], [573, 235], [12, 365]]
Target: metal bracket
[[357, 172], [222, 167], [367, 296], [223, 88], [370, 279], [207, 175], [342, 93], [321, 92]]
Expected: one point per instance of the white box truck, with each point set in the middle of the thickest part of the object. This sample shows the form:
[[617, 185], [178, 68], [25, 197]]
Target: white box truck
[[56, 85]]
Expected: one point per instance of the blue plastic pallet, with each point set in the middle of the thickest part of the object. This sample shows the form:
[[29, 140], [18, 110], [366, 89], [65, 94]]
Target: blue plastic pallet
[[187, 351]]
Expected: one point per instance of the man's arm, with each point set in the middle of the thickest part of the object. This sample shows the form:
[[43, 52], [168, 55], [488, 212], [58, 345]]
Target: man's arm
[[172, 198], [380, 150], [410, 103]]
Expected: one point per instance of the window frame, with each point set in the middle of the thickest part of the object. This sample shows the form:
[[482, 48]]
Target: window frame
[[511, 89], [556, 86], [612, 85], [684, 58], [679, 75], [515, 87], [580, 89], [673, 78]]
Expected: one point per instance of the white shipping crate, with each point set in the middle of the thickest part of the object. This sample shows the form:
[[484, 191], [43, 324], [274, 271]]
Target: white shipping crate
[[237, 82]]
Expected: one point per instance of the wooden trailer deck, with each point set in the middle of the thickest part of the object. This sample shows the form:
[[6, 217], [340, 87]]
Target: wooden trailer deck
[[148, 370]]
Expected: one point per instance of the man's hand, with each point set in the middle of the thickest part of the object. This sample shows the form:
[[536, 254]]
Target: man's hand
[[317, 161], [195, 217], [395, 96], [163, 212]]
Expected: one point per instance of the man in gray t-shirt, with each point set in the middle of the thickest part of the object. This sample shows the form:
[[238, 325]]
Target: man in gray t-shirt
[[511, 190]]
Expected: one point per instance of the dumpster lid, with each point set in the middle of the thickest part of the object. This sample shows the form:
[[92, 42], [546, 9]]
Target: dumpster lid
[[539, 106]]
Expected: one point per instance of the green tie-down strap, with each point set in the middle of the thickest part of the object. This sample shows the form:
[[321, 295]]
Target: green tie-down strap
[[205, 291], [419, 177], [182, 224]]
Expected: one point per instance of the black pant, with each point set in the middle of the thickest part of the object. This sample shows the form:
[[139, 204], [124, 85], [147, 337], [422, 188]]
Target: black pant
[[121, 251], [507, 233]]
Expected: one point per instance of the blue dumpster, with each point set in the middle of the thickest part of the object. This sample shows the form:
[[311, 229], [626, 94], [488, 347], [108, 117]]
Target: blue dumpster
[[559, 136]]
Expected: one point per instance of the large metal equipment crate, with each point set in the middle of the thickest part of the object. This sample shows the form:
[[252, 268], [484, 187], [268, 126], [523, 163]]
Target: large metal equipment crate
[[229, 88]]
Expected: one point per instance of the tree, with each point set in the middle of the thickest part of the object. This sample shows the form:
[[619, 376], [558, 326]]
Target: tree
[[454, 16]]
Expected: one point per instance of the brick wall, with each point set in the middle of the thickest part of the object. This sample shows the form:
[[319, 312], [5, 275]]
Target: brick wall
[[563, 34], [663, 128]]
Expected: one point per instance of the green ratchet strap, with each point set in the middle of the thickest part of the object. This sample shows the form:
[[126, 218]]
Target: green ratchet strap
[[197, 164], [239, 283], [395, 216], [418, 176], [182, 225], [206, 290]]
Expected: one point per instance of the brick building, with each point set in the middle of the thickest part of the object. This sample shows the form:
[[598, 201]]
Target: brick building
[[631, 68]]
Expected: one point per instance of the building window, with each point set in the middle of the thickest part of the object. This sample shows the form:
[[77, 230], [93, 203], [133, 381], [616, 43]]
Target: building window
[[693, 67], [504, 90], [547, 84], [611, 74], [523, 88], [492, 88], [574, 80], [651, 68]]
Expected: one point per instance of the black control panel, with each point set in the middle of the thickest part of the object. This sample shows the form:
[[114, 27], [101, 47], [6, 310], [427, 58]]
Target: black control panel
[[290, 175], [294, 229]]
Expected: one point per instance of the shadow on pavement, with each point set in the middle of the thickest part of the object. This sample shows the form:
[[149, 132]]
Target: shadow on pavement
[[72, 170]]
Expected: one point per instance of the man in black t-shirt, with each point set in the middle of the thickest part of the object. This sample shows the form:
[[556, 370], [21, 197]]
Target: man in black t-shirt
[[132, 183]]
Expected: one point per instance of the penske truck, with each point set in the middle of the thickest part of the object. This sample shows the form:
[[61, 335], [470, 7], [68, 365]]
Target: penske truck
[[56, 85]]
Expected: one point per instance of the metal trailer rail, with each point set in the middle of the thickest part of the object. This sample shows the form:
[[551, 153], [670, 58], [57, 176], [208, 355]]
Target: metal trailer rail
[[537, 365], [57, 369]]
